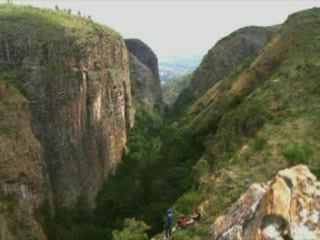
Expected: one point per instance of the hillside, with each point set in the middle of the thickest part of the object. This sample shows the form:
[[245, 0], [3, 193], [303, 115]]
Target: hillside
[[223, 58], [260, 119], [172, 88]]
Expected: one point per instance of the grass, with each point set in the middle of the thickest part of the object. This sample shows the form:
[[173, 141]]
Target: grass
[[50, 22], [39, 34]]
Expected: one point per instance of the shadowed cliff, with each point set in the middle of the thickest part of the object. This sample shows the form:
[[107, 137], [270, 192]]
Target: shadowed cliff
[[144, 74]]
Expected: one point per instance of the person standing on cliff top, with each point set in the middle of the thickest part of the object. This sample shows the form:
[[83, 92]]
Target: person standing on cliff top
[[169, 223]]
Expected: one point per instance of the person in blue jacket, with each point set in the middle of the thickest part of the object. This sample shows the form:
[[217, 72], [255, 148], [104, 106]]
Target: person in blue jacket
[[169, 223]]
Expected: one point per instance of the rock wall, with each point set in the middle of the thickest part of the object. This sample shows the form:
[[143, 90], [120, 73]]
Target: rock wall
[[75, 74], [23, 178], [286, 208], [144, 74]]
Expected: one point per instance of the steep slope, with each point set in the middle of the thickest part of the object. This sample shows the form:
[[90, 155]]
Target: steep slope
[[75, 75], [222, 59], [262, 92], [261, 118], [144, 74]]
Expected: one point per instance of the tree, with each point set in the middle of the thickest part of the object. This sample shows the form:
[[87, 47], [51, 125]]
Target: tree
[[56, 7]]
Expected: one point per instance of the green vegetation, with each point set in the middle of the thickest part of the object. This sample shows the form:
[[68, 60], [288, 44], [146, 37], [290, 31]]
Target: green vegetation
[[296, 153], [48, 23], [158, 168], [173, 87], [133, 230]]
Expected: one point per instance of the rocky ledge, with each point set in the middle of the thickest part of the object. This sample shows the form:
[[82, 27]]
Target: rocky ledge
[[287, 207]]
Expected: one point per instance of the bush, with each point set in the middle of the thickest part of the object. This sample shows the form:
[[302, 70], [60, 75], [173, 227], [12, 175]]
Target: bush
[[298, 153], [133, 230], [186, 202]]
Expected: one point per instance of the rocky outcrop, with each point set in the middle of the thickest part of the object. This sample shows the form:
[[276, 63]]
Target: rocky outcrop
[[286, 208], [144, 74], [23, 178], [224, 57], [75, 76]]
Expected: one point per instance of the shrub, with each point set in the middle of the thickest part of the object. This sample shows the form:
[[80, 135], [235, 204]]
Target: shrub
[[187, 201], [133, 230], [298, 153]]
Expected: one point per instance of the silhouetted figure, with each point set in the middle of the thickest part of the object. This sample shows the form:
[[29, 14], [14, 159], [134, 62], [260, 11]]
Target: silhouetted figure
[[169, 223]]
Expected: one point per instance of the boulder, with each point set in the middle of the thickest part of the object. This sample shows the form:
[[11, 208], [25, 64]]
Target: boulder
[[288, 207]]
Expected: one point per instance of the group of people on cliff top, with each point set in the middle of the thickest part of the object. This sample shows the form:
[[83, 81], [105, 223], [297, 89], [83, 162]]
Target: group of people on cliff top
[[182, 221]]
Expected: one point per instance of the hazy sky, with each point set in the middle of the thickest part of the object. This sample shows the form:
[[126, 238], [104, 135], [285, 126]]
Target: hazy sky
[[180, 28]]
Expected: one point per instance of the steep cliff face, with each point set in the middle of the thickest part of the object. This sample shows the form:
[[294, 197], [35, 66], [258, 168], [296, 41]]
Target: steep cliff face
[[286, 208], [144, 74], [24, 181], [75, 73], [224, 57]]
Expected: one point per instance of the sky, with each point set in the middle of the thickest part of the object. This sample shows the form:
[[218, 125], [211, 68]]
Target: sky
[[179, 28]]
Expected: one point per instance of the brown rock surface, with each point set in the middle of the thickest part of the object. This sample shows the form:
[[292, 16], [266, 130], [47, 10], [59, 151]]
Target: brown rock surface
[[286, 208], [23, 179], [75, 73]]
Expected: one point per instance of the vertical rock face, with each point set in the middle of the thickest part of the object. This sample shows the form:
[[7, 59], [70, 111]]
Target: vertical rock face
[[286, 208], [23, 178], [75, 74], [144, 73]]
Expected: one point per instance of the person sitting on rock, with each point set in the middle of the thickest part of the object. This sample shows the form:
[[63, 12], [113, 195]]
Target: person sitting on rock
[[194, 218], [197, 216]]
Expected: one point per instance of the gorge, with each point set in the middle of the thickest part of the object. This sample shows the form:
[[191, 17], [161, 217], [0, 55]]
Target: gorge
[[86, 141]]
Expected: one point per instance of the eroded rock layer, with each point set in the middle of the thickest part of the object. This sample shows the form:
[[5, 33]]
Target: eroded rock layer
[[286, 208]]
